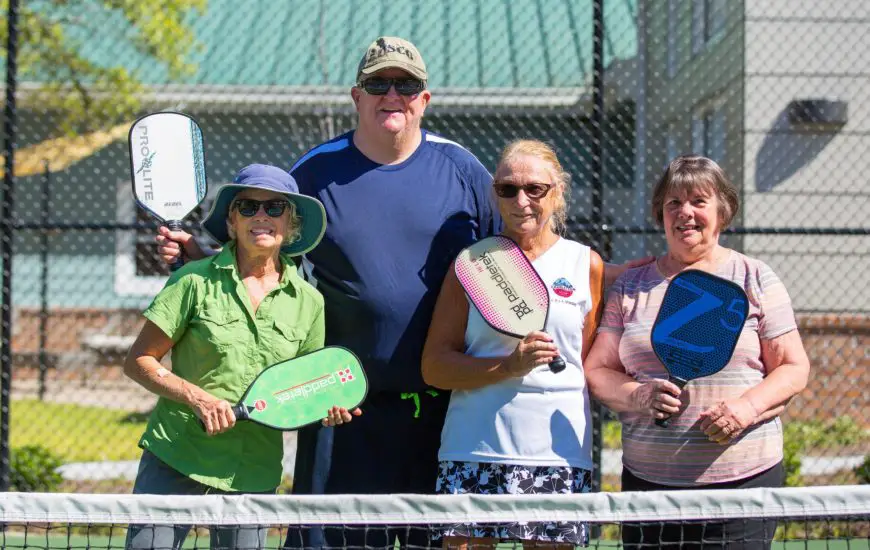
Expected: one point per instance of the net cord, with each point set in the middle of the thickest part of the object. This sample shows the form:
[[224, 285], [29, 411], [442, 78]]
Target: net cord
[[401, 509]]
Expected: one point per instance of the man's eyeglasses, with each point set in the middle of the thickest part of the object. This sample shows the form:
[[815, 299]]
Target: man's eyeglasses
[[532, 190], [404, 86], [249, 207]]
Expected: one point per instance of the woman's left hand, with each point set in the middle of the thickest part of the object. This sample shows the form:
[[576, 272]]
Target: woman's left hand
[[337, 416], [726, 420]]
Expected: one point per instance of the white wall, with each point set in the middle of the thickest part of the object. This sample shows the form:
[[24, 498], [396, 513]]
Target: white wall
[[809, 177]]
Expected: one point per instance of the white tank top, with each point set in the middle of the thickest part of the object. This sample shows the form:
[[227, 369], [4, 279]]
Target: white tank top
[[543, 418]]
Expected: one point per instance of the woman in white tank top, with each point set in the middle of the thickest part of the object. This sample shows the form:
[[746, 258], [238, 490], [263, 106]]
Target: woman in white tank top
[[513, 426]]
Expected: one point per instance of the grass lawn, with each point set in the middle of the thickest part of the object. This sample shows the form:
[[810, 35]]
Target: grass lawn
[[77, 433]]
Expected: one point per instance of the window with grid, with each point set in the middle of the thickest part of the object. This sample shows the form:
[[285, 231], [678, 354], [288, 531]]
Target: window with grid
[[708, 131], [708, 22]]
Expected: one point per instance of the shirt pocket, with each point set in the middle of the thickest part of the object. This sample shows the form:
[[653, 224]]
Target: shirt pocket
[[217, 339], [220, 328], [288, 340]]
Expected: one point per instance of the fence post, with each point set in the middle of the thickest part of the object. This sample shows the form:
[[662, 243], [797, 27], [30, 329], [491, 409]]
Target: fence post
[[43, 281], [597, 184], [6, 235]]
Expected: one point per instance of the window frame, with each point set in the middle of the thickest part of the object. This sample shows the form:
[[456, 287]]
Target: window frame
[[673, 60], [709, 130], [708, 23]]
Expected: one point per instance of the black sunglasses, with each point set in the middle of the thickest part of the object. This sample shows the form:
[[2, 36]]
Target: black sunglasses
[[404, 86], [249, 207], [532, 190]]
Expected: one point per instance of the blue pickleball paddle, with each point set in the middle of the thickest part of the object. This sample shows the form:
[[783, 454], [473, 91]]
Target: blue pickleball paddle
[[697, 327]]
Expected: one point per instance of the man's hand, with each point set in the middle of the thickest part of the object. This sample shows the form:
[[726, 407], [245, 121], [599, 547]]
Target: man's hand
[[170, 243], [613, 271]]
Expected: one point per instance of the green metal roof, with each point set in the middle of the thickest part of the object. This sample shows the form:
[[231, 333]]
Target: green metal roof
[[466, 43]]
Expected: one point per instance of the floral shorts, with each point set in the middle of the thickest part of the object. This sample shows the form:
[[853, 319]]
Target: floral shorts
[[485, 478]]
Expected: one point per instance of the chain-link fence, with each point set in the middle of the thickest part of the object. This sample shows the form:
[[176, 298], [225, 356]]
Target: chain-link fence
[[775, 91]]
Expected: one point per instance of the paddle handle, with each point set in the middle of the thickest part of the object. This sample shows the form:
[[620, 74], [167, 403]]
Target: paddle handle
[[557, 365], [240, 412], [175, 225], [680, 383]]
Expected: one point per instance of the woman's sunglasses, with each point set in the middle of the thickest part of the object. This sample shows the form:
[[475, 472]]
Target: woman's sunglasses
[[404, 86], [249, 207], [532, 190]]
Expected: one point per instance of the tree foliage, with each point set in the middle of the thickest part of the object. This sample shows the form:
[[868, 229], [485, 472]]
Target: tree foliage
[[55, 75]]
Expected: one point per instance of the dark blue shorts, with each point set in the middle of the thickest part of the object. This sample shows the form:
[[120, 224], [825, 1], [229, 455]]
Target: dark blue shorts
[[391, 448]]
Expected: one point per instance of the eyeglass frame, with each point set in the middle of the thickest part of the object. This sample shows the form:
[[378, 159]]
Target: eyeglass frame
[[284, 203], [393, 83], [525, 188]]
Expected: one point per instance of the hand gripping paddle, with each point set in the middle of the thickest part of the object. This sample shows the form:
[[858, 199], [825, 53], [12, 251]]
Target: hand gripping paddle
[[168, 167], [698, 325], [504, 287], [297, 392]]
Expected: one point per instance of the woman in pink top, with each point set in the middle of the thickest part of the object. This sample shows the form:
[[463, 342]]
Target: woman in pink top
[[725, 431]]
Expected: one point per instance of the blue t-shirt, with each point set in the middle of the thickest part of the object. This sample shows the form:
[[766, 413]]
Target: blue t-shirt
[[391, 233]]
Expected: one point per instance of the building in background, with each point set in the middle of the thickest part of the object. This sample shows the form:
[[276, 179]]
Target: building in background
[[776, 91], [273, 79], [730, 79]]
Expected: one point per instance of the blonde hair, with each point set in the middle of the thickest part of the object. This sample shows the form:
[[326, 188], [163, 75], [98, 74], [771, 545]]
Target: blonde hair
[[561, 178], [294, 224]]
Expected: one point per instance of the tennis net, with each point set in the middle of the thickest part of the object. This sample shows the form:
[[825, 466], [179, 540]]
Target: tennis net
[[809, 518]]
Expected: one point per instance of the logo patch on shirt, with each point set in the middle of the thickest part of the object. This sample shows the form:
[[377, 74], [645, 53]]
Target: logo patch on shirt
[[563, 288]]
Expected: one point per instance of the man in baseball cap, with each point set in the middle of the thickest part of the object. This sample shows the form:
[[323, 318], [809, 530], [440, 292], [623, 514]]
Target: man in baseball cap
[[389, 52], [401, 203]]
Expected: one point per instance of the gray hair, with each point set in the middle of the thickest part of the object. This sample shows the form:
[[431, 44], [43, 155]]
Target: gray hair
[[689, 172]]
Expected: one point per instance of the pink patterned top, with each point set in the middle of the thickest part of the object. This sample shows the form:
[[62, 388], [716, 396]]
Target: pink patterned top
[[681, 455]]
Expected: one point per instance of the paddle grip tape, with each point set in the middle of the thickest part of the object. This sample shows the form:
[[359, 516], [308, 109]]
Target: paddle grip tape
[[175, 225], [680, 383]]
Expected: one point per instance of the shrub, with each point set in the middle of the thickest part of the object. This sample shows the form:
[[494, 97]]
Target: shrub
[[818, 434], [611, 434], [811, 437], [792, 449], [863, 471], [34, 469]]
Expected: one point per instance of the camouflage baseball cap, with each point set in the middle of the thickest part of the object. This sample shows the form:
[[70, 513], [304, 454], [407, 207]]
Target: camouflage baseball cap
[[390, 52]]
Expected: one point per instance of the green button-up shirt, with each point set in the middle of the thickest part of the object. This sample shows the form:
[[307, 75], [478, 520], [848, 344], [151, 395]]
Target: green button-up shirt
[[221, 345]]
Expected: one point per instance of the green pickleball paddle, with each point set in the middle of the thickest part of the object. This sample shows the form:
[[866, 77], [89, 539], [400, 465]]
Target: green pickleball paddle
[[297, 392]]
